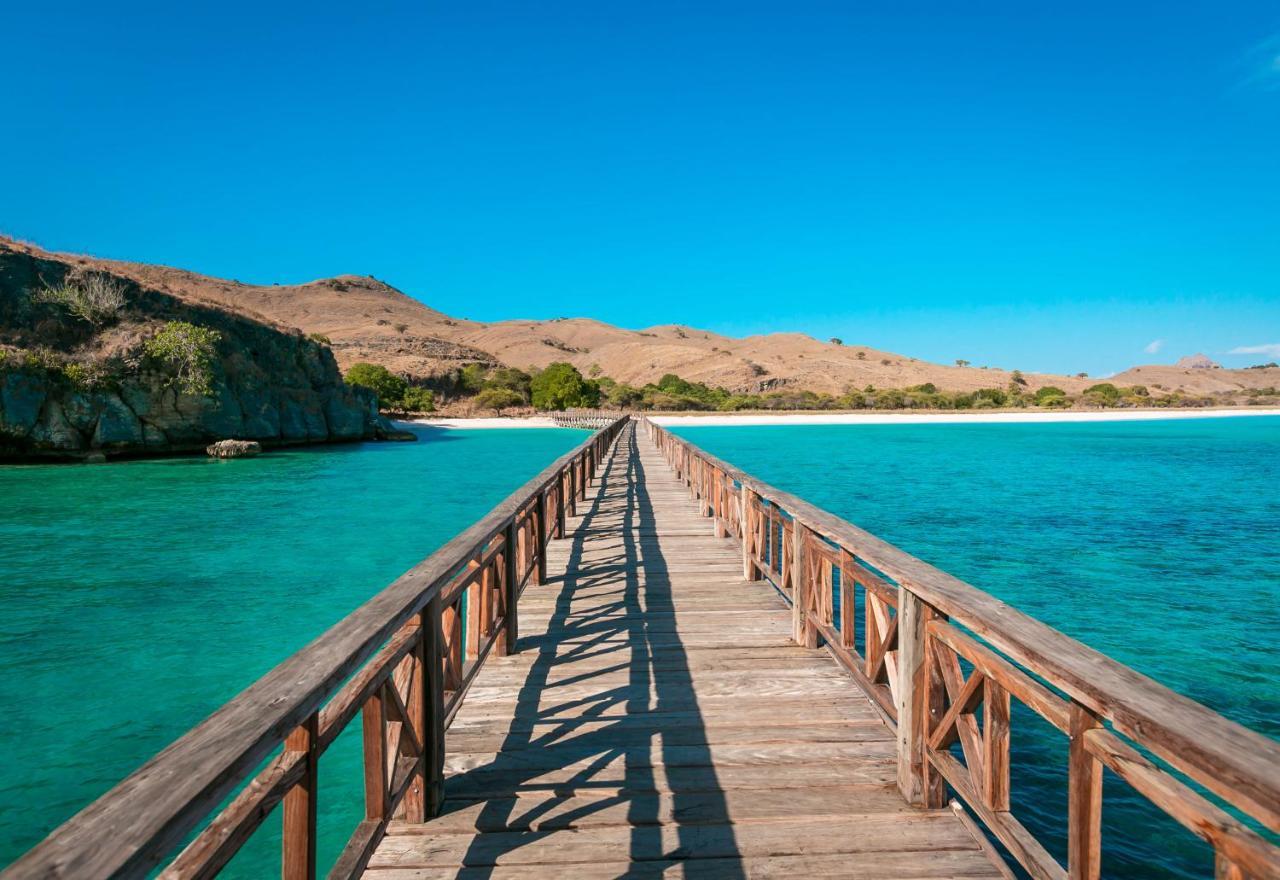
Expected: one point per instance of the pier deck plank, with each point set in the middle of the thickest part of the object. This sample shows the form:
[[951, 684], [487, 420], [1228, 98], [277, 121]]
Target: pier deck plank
[[659, 721]]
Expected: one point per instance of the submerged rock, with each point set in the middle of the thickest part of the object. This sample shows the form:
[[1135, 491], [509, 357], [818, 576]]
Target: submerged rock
[[234, 448]]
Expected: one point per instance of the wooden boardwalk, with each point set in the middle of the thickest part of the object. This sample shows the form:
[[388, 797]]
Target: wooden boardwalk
[[660, 721]]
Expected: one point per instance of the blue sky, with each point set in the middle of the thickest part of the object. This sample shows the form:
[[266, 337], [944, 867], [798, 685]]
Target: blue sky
[[1045, 188]]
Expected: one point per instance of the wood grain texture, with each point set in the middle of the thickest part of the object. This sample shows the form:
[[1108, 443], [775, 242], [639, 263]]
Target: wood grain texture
[[659, 719], [1236, 763]]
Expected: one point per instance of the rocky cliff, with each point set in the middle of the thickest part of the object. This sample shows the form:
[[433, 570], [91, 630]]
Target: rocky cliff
[[76, 382]]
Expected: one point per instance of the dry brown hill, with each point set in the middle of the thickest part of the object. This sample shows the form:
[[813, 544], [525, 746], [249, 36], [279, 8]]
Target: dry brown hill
[[366, 319]]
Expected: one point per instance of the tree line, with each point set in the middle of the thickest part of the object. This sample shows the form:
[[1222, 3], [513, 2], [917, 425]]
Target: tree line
[[561, 386]]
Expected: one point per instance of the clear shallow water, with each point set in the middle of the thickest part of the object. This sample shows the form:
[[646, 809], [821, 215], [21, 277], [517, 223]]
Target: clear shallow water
[[138, 597], [1157, 543]]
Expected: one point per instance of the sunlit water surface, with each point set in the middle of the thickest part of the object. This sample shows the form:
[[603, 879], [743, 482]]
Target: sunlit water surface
[[140, 596]]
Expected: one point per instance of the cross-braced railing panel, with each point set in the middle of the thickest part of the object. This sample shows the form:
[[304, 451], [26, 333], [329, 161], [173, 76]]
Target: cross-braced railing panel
[[945, 662]]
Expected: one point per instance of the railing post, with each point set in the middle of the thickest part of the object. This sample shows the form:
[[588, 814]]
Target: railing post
[[373, 720], [511, 591], [432, 711], [747, 502], [802, 629], [540, 537], [1084, 800], [298, 843], [915, 701], [995, 745], [451, 627], [560, 505]]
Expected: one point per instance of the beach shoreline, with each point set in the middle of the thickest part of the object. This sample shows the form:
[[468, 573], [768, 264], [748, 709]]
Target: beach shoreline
[[715, 420]]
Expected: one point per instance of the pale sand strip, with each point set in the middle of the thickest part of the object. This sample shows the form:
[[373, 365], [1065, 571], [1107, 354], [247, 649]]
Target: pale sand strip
[[955, 418], [495, 422], [933, 418]]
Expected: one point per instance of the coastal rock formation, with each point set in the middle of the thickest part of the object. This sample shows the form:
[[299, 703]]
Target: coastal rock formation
[[71, 386], [1197, 362], [234, 449]]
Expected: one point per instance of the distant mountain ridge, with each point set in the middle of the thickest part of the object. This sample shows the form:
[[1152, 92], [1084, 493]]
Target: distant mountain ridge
[[365, 319]]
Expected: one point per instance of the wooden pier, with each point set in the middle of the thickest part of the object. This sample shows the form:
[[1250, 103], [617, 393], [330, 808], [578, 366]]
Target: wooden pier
[[647, 663]]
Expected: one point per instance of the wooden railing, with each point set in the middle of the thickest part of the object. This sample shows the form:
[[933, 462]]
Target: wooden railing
[[583, 418], [921, 628], [403, 661]]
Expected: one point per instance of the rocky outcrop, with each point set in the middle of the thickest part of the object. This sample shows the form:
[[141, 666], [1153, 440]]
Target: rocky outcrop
[[1197, 362], [234, 449], [70, 390]]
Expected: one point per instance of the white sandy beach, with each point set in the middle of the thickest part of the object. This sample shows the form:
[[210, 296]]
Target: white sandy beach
[[934, 418], [495, 422]]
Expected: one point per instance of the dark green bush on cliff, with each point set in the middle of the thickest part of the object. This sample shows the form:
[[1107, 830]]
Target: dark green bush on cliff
[[188, 351]]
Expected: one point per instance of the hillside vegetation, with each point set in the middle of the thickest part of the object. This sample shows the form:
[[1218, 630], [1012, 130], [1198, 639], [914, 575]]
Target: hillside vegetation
[[460, 366]]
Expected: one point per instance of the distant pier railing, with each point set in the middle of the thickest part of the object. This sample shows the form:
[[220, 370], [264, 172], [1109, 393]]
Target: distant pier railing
[[583, 418], [922, 628], [403, 661]]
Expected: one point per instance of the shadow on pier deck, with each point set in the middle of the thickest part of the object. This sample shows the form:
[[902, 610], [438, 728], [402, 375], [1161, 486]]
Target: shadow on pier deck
[[659, 721]]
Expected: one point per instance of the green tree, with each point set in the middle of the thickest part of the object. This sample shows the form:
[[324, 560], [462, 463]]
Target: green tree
[[418, 399], [509, 379], [471, 378], [561, 386], [1102, 394], [1048, 393], [499, 398], [389, 387]]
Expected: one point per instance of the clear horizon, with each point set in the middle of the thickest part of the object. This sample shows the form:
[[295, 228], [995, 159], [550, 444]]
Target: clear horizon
[[1022, 188]]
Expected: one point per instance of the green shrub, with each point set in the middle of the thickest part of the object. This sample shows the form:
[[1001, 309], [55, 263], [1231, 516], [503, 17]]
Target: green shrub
[[471, 379], [499, 398], [188, 350], [389, 387], [510, 379], [1102, 394], [88, 377], [1048, 393], [319, 338], [96, 299], [418, 399]]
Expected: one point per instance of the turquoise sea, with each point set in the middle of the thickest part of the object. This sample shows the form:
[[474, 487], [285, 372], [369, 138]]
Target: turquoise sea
[[140, 596], [1157, 543]]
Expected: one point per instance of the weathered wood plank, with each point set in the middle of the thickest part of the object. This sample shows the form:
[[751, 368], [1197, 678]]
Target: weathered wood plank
[[659, 693]]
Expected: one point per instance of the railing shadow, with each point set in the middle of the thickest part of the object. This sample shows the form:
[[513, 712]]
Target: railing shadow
[[610, 747]]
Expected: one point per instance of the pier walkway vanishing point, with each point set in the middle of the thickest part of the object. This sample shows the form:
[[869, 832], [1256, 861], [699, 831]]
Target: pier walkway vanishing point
[[647, 663]]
